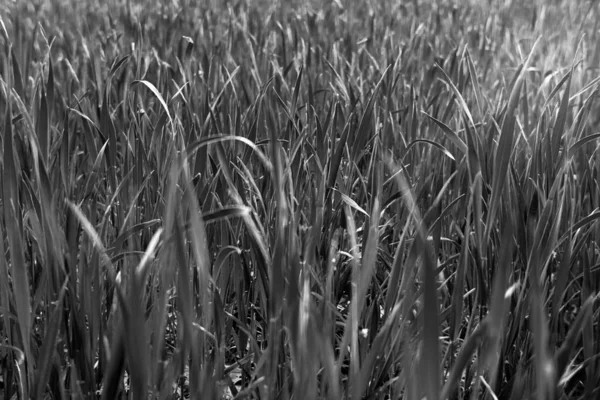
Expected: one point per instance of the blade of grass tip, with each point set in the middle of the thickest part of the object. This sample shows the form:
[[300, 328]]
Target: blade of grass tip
[[19, 274], [351, 203], [430, 359], [48, 348], [505, 145]]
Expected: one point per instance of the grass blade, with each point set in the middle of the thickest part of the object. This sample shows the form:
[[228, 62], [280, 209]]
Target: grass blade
[[505, 145]]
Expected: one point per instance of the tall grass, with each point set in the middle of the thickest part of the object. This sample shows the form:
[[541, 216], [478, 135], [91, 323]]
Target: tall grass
[[302, 200]]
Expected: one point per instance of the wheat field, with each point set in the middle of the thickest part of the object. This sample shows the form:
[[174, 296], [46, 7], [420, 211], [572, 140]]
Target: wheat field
[[375, 199]]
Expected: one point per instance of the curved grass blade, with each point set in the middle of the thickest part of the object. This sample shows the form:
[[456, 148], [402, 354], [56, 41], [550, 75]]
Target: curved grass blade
[[223, 138], [432, 143], [582, 142], [156, 93]]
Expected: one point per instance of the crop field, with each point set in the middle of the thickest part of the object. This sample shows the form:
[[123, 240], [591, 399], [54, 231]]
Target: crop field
[[304, 199]]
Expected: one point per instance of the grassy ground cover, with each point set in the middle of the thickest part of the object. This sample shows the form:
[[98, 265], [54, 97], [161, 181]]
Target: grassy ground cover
[[305, 199]]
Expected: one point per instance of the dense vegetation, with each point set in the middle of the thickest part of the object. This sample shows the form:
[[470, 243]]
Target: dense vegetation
[[306, 199]]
